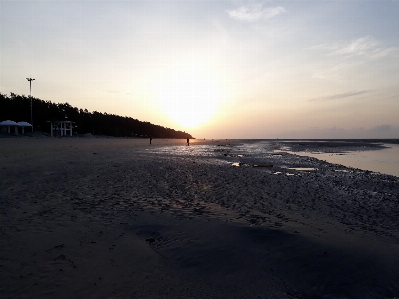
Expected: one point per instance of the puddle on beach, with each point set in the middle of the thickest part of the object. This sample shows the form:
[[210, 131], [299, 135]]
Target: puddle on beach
[[263, 165], [281, 173], [198, 150], [303, 168]]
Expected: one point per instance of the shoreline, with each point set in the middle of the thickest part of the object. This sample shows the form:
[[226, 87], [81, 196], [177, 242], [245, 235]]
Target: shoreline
[[116, 218]]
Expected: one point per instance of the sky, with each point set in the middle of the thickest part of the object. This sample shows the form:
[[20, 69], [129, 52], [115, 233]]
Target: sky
[[214, 69]]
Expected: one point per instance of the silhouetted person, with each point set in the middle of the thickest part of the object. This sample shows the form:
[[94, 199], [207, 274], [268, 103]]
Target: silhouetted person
[[150, 139], [188, 141]]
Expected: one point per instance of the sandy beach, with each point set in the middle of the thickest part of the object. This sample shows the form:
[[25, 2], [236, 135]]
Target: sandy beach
[[119, 218]]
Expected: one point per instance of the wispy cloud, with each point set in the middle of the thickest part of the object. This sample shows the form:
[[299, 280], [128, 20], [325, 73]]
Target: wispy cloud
[[381, 131], [366, 46], [255, 12], [360, 46], [341, 95], [383, 128]]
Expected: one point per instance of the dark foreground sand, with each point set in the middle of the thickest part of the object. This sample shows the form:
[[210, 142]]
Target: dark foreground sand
[[112, 218]]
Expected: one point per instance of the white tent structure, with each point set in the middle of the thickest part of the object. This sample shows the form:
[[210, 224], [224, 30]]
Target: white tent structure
[[23, 125], [9, 123]]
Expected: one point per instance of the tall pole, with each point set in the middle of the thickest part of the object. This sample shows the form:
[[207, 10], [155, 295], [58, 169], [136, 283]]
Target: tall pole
[[30, 95]]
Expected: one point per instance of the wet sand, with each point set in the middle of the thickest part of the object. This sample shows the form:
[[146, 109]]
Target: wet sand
[[118, 218]]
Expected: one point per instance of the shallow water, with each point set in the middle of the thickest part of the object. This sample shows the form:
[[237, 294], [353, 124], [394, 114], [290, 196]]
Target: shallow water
[[303, 168], [383, 160]]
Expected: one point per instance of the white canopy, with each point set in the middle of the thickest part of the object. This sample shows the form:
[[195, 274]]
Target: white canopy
[[8, 123], [24, 124]]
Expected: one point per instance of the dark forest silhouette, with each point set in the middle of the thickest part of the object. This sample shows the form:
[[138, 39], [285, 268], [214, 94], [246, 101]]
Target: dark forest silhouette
[[17, 108]]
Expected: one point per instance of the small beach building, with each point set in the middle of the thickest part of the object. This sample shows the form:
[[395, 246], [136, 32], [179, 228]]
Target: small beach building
[[23, 125], [9, 124]]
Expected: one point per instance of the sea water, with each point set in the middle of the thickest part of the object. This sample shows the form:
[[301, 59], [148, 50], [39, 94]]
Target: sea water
[[384, 160]]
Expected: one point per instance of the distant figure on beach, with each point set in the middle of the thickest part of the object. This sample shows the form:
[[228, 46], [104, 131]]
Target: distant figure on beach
[[188, 141], [150, 139]]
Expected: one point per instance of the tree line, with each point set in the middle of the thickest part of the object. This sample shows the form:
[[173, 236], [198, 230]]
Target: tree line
[[17, 108]]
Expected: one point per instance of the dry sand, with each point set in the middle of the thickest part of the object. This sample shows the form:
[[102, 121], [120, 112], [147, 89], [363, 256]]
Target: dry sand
[[116, 218]]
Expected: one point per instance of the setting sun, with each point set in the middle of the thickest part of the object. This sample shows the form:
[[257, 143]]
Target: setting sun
[[190, 96]]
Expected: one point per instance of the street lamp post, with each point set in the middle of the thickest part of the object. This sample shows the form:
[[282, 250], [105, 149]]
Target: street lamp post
[[30, 95]]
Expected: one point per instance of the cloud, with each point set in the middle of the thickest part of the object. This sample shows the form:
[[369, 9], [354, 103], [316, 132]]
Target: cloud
[[341, 95], [380, 131], [366, 46], [360, 46], [252, 13], [383, 128], [383, 131], [334, 71]]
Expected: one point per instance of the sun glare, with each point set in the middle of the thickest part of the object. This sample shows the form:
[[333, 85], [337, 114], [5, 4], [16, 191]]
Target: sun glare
[[190, 96]]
